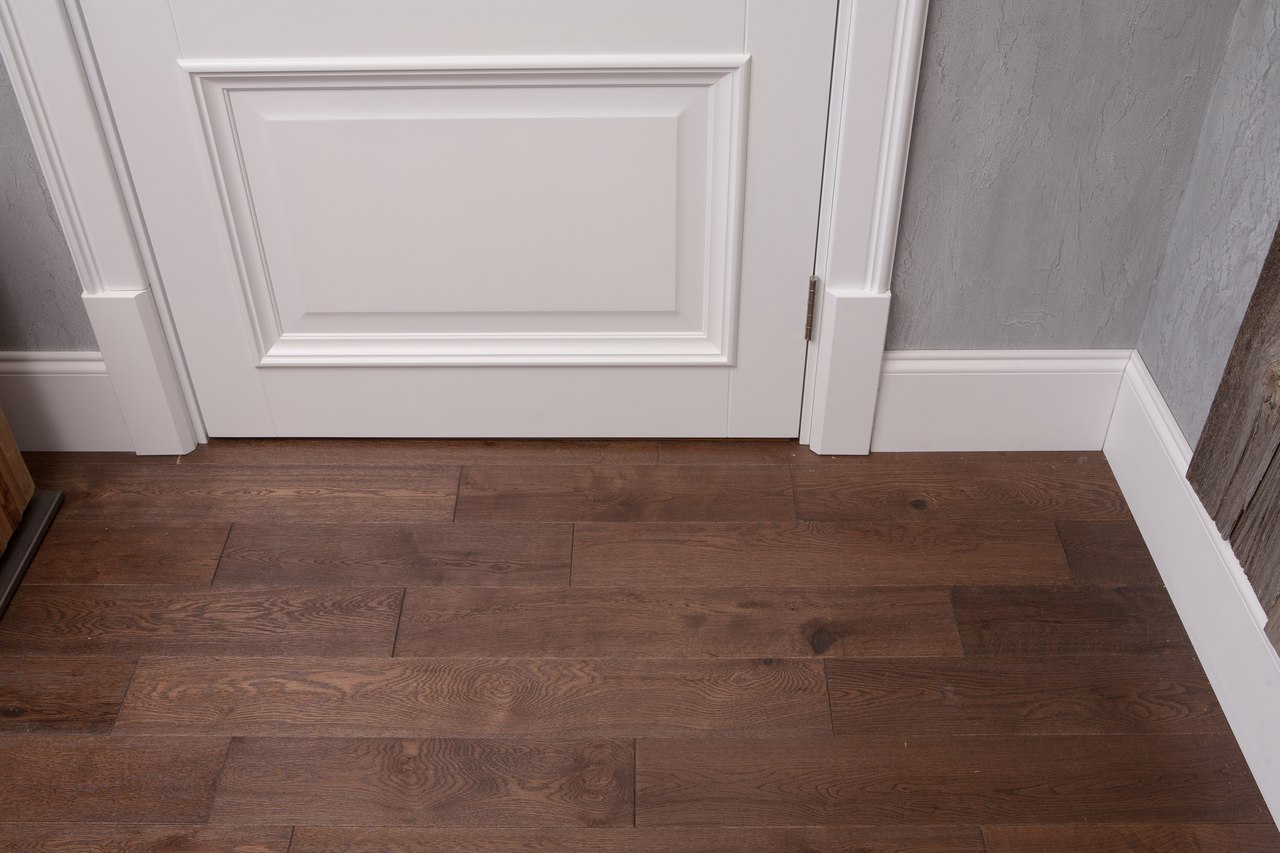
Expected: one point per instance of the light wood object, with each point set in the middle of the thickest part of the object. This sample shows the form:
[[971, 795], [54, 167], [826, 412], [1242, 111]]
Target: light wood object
[[16, 485], [25, 515]]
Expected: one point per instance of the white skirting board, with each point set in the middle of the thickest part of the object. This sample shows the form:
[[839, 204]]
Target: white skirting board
[[61, 401], [1149, 456], [996, 399]]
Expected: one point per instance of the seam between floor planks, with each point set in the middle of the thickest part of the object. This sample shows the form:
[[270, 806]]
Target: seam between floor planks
[[667, 454]]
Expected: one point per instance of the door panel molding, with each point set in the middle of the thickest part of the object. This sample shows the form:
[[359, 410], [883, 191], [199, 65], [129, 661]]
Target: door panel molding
[[657, 177]]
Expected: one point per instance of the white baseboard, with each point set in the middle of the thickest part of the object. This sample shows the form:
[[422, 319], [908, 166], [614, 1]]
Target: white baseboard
[[1149, 456], [61, 401], [996, 399]]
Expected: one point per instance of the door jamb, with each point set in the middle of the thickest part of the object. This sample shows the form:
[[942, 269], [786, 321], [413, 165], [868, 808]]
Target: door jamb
[[873, 91]]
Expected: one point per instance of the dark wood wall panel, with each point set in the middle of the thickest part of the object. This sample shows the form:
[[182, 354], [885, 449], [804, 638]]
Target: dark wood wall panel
[[1236, 466], [16, 487]]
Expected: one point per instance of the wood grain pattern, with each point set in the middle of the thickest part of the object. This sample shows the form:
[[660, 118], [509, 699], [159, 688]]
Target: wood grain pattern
[[960, 487], [92, 552], [945, 779], [816, 554], [1256, 539], [61, 694], [16, 486], [396, 451], [625, 493], [1241, 435], [1059, 695], [692, 611], [87, 779], [812, 839], [125, 492], [409, 697], [1185, 838], [728, 451], [437, 782], [1067, 620], [690, 623], [1108, 553], [122, 620], [409, 555], [120, 838], [1236, 465]]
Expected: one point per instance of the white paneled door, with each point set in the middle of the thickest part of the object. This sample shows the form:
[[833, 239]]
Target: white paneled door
[[478, 217]]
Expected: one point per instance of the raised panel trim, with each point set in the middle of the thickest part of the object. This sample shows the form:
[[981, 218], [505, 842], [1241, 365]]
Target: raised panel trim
[[724, 75]]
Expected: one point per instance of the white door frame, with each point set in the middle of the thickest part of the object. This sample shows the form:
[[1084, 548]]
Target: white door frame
[[878, 44], [873, 95], [93, 198]]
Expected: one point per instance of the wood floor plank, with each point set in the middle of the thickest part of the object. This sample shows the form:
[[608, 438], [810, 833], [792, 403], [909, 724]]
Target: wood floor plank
[[408, 697], [729, 451], [1058, 695], [1108, 553], [137, 838], [960, 487], [1024, 620], [436, 782], [984, 632], [103, 552], [61, 694], [1202, 838], [400, 451], [854, 839], [657, 623], [90, 779], [132, 493], [945, 779], [393, 554], [625, 493], [817, 554], [124, 620]]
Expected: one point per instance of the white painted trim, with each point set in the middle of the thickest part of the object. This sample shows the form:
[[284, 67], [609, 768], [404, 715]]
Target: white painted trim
[[466, 65], [973, 400], [53, 93], [721, 77], [873, 91], [61, 401], [852, 326], [1171, 436], [127, 325], [92, 196], [1179, 452], [1149, 456]]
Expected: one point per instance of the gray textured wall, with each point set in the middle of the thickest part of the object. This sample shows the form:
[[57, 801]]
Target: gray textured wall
[[1052, 141], [40, 307], [1224, 225]]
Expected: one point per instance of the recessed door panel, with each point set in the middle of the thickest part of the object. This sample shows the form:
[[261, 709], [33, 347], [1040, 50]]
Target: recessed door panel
[[481, 211]]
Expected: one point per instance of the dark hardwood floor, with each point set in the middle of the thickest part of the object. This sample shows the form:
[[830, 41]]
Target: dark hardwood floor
[[676, 646]]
